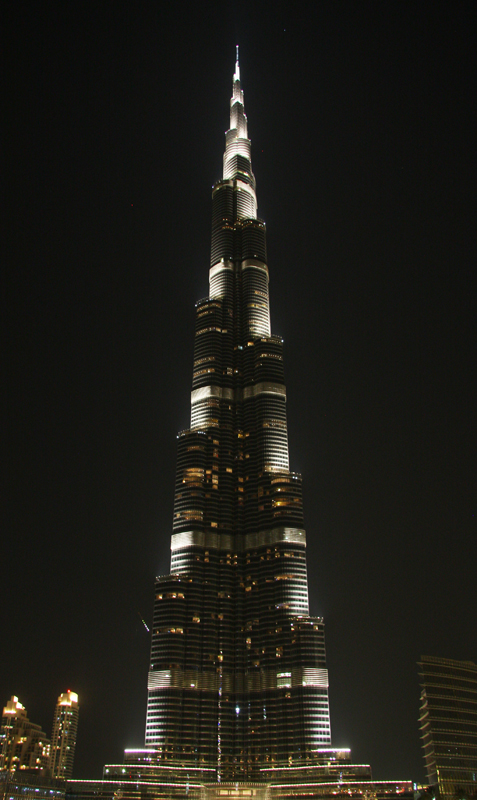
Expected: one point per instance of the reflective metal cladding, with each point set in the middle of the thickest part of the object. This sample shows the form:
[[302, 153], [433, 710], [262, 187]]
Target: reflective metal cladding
[[238, 684]]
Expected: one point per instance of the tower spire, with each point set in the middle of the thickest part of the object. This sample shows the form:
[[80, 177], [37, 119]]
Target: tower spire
[[237, 156], [237, 65]]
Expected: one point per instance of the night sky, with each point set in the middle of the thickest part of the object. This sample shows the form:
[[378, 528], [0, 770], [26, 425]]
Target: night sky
[[362, 120]]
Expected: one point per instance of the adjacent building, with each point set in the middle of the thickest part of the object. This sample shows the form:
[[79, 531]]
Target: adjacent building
[[25, 749], [30, 785], [448, 722], [23, 744], [63, 737]]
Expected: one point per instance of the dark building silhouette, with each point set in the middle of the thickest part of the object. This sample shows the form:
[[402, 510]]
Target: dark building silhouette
[[448, 722]]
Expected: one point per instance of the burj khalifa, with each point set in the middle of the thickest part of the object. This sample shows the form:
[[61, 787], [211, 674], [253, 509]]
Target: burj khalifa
[[237, 684]]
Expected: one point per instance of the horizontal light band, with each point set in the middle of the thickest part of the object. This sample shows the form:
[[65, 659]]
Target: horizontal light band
[[238, 681], [275, 536], [215, 541], [226, 393], [205, 392], [254, 263], [264, 387], [227, 265], [315, 677], [159, 679], [248, 263], [223, 541]]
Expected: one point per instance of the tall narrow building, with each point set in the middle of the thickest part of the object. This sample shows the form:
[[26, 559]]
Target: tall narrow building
[[448, 722], [63, 737], [238, 685]]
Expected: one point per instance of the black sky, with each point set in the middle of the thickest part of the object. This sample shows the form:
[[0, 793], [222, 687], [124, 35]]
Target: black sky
[[362, 120]]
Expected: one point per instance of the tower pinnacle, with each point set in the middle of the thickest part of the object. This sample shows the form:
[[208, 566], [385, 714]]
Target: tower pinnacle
[[237, 65]]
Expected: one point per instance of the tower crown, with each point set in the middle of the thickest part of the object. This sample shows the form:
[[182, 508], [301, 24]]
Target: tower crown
[[237, 163]]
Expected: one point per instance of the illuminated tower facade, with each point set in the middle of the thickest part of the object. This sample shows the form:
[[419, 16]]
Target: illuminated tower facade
[[238, 683], [63, 737], [23, 745]]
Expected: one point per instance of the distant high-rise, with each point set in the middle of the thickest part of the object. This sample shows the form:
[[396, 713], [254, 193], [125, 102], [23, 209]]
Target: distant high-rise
[[238, 683], [63, 737], [448, 722], [23, 745]]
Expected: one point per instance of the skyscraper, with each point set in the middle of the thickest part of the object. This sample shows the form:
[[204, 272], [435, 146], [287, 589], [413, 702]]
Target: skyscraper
[[23, 744], [63, 737], [448, 722], [238, 683]]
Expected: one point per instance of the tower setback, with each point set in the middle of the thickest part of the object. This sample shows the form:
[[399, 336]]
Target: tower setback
[[237, 683]]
